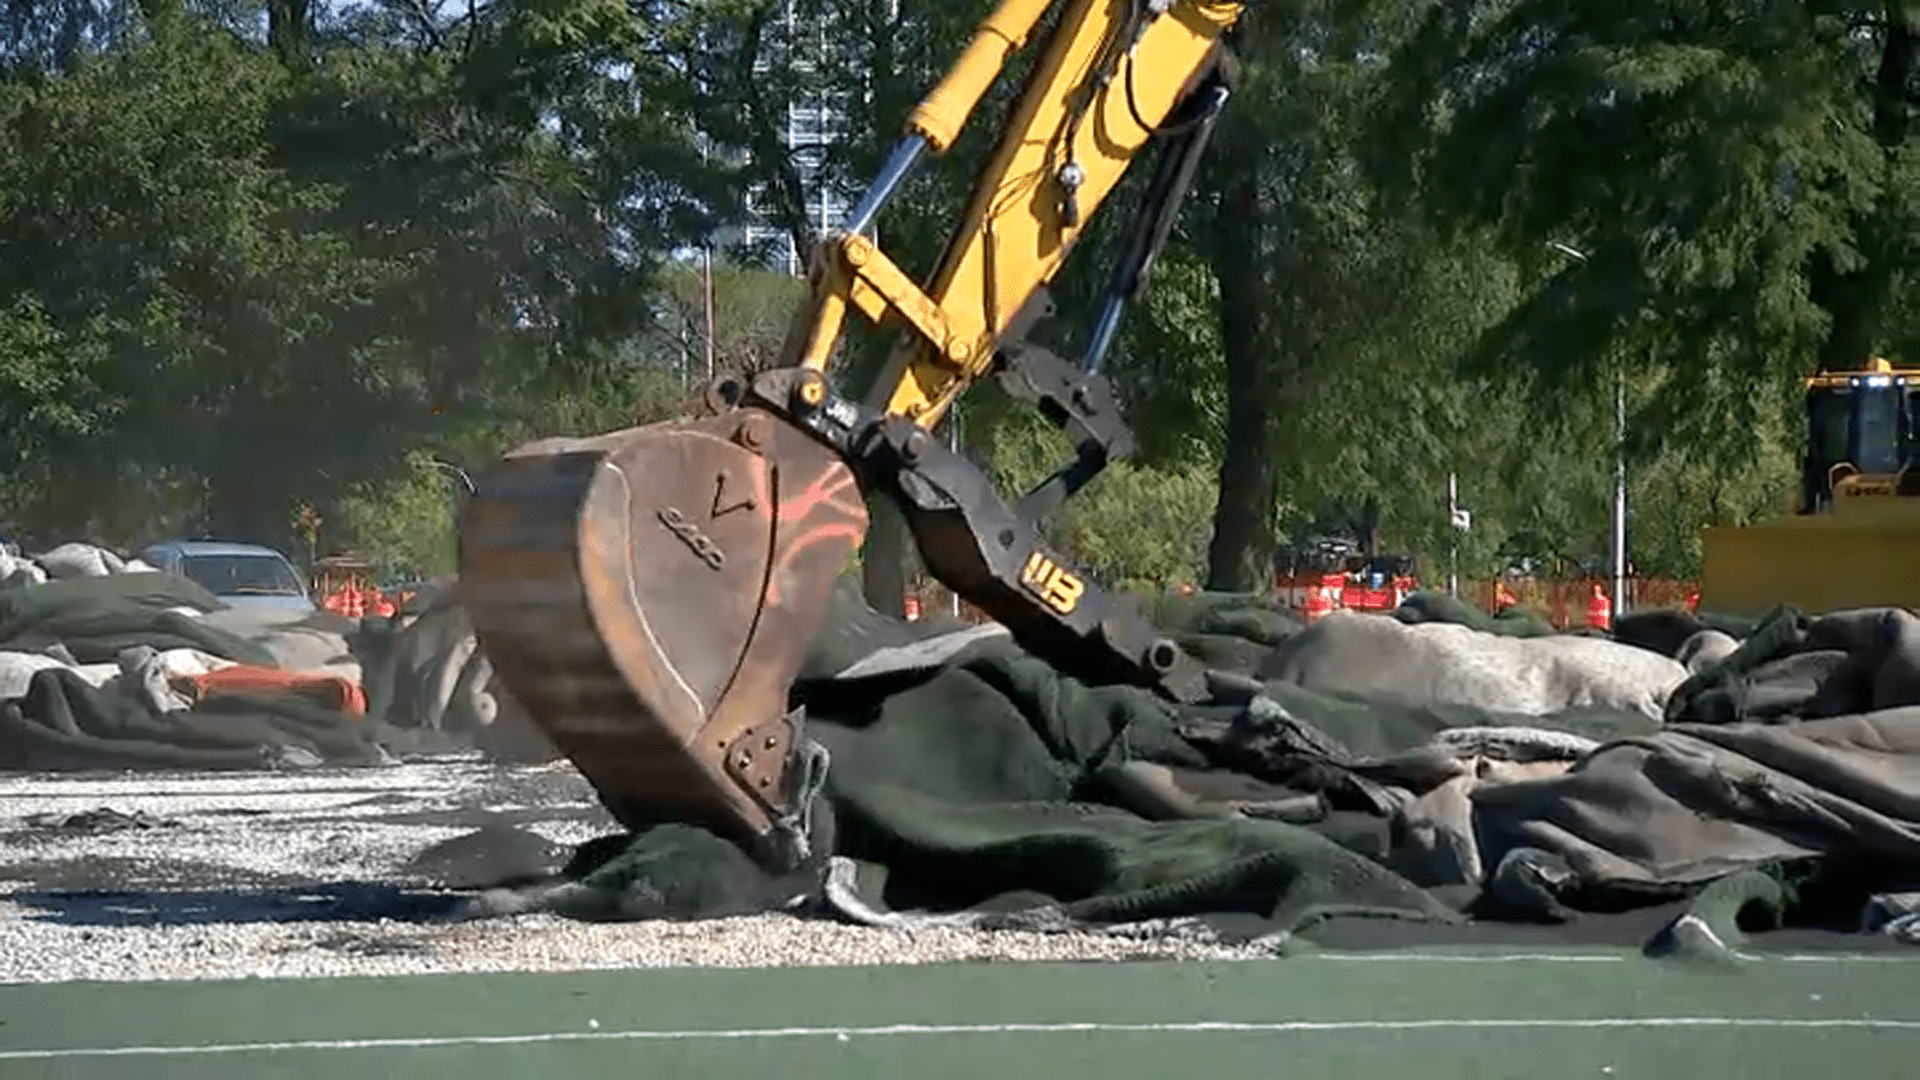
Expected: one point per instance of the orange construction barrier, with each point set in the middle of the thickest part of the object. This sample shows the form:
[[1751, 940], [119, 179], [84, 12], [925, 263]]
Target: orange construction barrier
[[913, 607], [1334, 588], [1599, 610], [1318, 604], [328, 691]]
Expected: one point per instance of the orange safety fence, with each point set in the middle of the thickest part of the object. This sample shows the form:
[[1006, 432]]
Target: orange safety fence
[[1566, 603], [354, 603]]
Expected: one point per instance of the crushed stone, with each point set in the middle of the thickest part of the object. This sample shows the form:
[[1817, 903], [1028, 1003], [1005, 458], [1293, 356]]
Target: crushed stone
[[169, 876]]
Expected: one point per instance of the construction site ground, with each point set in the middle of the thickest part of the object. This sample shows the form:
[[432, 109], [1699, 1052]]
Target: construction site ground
[[1482, 1015], [206, 936], [170, 922]]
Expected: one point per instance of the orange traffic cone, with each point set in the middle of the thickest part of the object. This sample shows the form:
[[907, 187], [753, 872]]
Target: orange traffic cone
[[1599, 610]]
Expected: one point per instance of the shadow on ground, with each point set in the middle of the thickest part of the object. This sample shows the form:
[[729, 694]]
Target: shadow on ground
[[340, 901]]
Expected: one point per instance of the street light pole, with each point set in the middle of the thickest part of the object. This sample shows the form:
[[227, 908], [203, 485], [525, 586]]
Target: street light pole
[[953, 444], [707, 302], [1453, 534], [1619, 552], [466, 481], [1619, 492]]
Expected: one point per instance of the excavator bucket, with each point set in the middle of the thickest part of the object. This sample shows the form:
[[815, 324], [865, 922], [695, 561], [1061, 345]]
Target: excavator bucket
[[648, 594]]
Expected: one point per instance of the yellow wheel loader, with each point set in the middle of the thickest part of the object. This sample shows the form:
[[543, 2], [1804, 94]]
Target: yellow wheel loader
[[647, 594], [1855, 540]]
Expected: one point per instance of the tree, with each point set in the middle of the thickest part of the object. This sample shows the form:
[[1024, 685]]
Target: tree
[[1340, 314], [279, 262], [1744, 180], [139, 214], [752, 310]]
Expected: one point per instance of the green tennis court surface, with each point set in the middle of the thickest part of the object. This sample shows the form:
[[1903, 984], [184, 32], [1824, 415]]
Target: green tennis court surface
[[1430, 1015]]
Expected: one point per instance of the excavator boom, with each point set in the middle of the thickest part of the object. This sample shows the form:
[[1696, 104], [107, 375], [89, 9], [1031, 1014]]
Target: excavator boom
[[647, 594]]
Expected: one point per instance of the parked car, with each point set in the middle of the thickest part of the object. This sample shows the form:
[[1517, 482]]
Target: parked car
[[244, 576]]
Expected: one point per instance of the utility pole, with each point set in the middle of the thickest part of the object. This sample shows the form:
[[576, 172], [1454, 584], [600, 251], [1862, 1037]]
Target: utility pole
[[1619, 492], [1453, 534], [706, 279], [953, 444], [707, 302], [1619, 545]]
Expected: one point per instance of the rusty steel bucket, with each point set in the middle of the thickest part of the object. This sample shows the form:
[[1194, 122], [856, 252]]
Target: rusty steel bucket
[[648, 595]]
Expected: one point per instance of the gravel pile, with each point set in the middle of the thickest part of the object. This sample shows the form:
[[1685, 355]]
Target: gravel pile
[[197, 876], [273, 829], [40, 953]]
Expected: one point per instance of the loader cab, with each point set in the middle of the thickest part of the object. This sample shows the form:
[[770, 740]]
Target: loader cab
[[1863, 424]]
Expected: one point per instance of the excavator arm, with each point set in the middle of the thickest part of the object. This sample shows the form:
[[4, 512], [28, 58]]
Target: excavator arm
[[648, 594], [1107, 85], [1114, 77]]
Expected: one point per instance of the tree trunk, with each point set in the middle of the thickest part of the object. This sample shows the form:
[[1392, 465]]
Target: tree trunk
[[773, 158], [1854, 303], [154, 12], [1242, 541], [288, 29], [248, 498], [1858, 302], [1370, 528], [245, 507]]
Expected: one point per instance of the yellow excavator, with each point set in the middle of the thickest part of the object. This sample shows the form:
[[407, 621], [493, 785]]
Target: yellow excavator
[[647, 594], [1854, 540]]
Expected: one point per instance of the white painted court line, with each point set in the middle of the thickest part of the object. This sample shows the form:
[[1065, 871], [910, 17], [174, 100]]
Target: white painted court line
[[844, 1034], [1466, 958], [1593, 958], [1842, 958]]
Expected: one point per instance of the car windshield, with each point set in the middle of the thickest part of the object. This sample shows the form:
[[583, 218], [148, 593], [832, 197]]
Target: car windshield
[[242, 575]]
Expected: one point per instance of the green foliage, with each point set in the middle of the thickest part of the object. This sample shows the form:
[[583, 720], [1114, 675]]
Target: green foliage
[[406, 524], [1132, 522], [272, 273], [242, 272], [1751, 217], [1137, 523], [1175, 392], [752, 310], [1672, 502], [48, 398]]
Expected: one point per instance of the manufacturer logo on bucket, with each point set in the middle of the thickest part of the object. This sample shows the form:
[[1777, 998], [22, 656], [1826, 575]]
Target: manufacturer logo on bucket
[[679, 526]]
